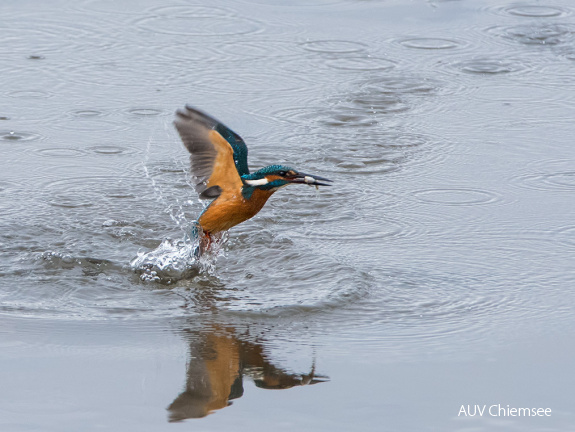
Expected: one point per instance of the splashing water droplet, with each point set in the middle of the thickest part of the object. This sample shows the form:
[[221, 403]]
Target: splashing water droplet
[[174, 260]]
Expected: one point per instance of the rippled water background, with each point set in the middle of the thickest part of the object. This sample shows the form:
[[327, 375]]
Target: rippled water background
[[436, 272]]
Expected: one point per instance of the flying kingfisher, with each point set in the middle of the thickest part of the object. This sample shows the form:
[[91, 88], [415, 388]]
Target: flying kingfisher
[[219, 165]]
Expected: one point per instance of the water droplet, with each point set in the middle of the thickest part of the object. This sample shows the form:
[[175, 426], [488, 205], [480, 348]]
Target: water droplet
[[18, 136]]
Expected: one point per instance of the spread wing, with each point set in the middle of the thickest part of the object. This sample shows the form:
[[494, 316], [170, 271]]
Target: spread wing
[[219, 156]]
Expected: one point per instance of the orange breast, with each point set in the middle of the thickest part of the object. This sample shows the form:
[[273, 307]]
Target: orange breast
[[229, 210]]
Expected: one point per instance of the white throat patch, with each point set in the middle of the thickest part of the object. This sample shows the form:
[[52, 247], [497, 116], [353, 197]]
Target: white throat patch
[[259, 182]]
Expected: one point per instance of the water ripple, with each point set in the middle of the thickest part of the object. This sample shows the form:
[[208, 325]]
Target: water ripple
[[30, 94], [252, 81], [540, 34], [369, 102], [534, 11], [566, 236], [296, 3], [197, 20], [427, 43], [112, 149], [312, 291], [548, 181], [60, 152], [309, 115], [363, 155], [114, 7], [75, 299], [366, 103], [11, 201], [456, 196], [260, 49], [334, 46], [146, 112], [6, 185], [376, 231], [365, 151], [19, 136], [124, 73], [45, 35], [90, 121], [426, 304], [87, 113], [364, 63], [490, 66], [72, 193], [401, 85], [548, 175]]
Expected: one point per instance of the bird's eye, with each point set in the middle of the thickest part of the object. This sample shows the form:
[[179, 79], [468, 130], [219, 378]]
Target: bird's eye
[[282, 173]]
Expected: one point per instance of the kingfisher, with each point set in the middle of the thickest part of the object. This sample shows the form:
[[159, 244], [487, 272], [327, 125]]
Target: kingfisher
[[219, 166]]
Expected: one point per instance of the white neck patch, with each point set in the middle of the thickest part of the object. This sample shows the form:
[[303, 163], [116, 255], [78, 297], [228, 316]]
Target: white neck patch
[[259, 182]]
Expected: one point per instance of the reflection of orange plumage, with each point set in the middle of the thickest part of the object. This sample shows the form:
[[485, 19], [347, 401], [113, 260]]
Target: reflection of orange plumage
[[219, 165], [223, 369], [219, 360]]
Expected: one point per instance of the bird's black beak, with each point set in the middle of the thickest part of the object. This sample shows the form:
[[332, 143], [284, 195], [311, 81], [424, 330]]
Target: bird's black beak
[[309, 179]]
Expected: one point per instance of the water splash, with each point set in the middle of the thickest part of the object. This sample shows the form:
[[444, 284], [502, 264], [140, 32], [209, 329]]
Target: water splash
[[167, 180], [174, 260], [193, 254]]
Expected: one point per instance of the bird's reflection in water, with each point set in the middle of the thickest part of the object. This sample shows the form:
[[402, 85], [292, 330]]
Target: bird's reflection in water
[[219, 361]]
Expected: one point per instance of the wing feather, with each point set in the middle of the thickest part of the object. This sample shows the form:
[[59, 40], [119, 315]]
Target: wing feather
[[218, 156]]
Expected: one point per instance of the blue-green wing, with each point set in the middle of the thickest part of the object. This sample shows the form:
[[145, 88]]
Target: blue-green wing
[[238, 145]]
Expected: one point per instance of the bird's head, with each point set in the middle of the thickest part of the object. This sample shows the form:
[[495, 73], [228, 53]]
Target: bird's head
[[273, 177]]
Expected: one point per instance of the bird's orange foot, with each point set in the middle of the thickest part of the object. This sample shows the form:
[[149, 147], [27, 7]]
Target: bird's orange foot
[[205, 242], [211, 242]]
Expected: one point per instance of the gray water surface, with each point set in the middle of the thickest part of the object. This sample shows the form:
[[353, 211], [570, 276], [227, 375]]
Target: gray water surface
[[436, 272]]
